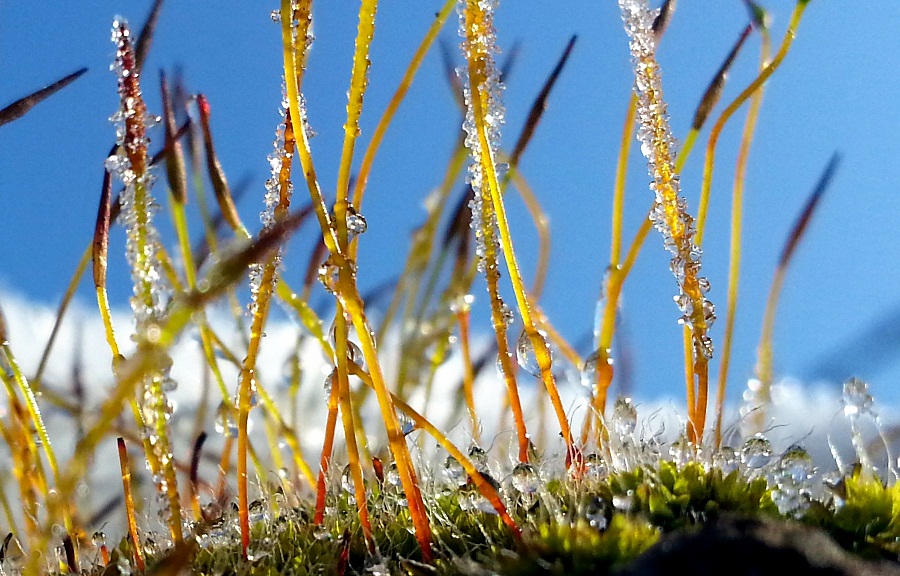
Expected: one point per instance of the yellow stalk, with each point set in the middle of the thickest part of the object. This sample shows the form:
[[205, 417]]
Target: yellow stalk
[[421, 422], [60, 312], [669, 213], [462, 318], [129, 506], [387, 116], [346, 410], [612, 283], [353, 305], [542, 226], [37, 421], [327, 446], [349, 297], [737, 199], [478, 58], [729, 111]]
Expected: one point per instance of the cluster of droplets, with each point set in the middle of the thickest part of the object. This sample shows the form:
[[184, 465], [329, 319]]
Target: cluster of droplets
[[152, 293], [129, 164], [480, 46], [859, 406], [278, 158], [669, 214], [792, 492]]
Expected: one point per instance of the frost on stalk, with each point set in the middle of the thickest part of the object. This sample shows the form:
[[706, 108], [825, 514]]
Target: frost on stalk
[[152, 293], [130, 164], [669, 213], [480, 47], [279, 187]]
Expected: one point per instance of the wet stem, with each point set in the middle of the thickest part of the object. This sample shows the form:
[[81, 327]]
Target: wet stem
[[477, 59]]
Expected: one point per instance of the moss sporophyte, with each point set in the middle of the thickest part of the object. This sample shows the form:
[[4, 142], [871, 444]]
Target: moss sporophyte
[[275, 484]]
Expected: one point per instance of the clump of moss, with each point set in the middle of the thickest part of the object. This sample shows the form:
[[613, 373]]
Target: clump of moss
[[573, 514]]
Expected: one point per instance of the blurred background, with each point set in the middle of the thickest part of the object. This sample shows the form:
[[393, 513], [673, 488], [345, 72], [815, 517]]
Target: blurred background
[[836, 91]]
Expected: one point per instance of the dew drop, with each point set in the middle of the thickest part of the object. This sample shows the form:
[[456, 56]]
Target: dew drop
[[624, 416], [392, 476], [680, 450], [726, 460], [756, 452], [347, 480], [98, 539], [329, 382], [115, 163], [796, 463], [407, 424], [595, 466], [856, 397], [322, 534], [356, 223], [590, 371], [525, 354], [454, 472], [623, 502], [478, 456], [225, 423], [525, 478], [328, 275]]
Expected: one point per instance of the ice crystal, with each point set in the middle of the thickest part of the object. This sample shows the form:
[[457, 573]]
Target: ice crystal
[[669, 214], [152, 292], [131, 165], [480, 47]]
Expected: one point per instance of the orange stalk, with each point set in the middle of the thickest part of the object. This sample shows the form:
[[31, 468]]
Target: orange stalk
[[129, 505]]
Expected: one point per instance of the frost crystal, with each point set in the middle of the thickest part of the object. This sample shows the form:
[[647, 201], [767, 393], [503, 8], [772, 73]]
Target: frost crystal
[[130, 164], [152, 292], [482, 48], [669, 214]]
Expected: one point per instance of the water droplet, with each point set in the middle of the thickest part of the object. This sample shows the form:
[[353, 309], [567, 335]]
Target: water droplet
[[726, 460], [356, 223], [478, 456], [225, 423], [355, 354], [589, 372], [856, 397], [681, 450], [347, 480], [594, 466], [258, 512], [526, 355], [525, 478], [392, 476], [98, 539], [756, 452], [454, 472], [407, 424], [506, 312], [796, 463], [328, 276], [322, 534], [329, 382], [624, 416], [115, 163]]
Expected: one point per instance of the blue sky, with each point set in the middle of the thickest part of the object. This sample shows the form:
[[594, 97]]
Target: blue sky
[[835, 91]]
